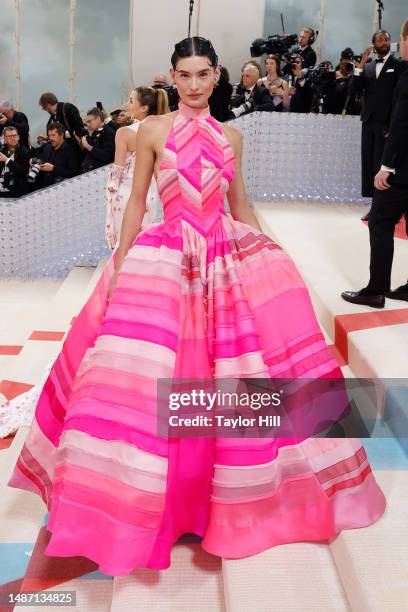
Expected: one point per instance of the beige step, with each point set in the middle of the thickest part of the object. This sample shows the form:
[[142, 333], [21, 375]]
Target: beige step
[[299, 577], [193, 583], [373, 562]]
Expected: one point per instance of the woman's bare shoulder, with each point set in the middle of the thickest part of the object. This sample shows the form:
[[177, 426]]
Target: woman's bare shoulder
[[233, 135]]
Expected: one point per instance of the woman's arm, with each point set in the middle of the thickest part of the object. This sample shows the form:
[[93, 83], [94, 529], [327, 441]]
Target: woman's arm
[[142, 176], [286, 96], [237, 197], [121, 138]]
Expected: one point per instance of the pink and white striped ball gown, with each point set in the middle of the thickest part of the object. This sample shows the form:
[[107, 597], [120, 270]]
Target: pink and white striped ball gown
[[199, 296]]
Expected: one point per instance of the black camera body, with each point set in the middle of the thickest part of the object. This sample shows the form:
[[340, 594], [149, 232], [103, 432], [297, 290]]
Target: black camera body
[[273, 45]]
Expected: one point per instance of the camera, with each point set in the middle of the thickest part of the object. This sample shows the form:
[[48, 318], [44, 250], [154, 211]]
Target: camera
[[34, 170], [273, 45], [322, 76]]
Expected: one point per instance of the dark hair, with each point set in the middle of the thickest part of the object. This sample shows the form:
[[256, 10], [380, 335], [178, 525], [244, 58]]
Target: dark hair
[[9, 128], [96, 112], [374, 38], [57, 126], [194, 46], [277, 61], [224, 75], [154, 98], [47, 98], [116, 112]]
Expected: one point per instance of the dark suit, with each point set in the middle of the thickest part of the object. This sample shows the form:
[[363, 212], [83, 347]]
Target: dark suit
[[103, 141], [378, 95], [259, 96], [17, 170], [309, 57], [68, 115], [388, 206], [20, 122], [65, 161], [301, 101]]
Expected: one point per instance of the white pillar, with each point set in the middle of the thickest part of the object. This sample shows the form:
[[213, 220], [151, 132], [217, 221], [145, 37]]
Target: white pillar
[[376, 21], [17, 4], [320, 38], [72, 41]]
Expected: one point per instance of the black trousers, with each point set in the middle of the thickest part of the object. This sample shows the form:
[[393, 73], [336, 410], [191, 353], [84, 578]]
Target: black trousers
[[372, 147], [387, 209]]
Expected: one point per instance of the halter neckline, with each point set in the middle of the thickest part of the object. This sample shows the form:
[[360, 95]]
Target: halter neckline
[[194, 113]]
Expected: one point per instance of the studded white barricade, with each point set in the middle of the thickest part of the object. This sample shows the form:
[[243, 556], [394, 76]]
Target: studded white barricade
[[286, 157]]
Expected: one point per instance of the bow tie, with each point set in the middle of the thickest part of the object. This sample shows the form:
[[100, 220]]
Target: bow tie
[[379, 61], [248, 90]]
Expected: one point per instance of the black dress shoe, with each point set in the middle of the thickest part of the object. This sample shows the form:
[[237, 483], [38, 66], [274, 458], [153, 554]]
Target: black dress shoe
[[399, 294], [366, 217], [364, 299]]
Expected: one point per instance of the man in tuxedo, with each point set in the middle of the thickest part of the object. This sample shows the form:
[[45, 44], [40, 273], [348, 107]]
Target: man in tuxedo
[[390, 200], [99, 144], [306, 39], [376, 82], [250, 96], [14, 165], [9, 117]]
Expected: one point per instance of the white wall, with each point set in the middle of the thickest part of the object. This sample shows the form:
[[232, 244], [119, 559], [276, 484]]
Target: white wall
[[159, 24]]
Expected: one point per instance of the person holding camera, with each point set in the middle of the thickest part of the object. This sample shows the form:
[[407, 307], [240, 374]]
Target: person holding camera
[[250, 97], [273, 82], [307, 37], [300, 90], [65, 113], [14, 165], [376, 82], [56, 160], [338, 99], [390, 200], [9, 117], [97, 142]]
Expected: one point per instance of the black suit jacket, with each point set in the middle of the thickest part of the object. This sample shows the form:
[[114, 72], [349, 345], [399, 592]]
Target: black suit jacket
[[378, 94], [18, 168], [68, 115], [260, 96], [20, 122], [103, 153], [396, 147], [65, 161], [309, 57]]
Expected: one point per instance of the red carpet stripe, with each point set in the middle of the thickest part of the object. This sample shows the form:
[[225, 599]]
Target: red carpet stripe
[[47, 335], [345, 324], [6, 349], [11, 389]]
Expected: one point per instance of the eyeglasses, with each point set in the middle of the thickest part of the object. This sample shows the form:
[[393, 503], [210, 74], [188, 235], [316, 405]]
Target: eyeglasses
[[10, 135]]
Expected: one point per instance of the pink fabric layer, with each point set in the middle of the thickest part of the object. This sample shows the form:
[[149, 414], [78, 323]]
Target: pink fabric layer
[[199, 296]]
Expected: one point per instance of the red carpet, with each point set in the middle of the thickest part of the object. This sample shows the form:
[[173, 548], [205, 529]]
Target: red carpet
[[400, 229]]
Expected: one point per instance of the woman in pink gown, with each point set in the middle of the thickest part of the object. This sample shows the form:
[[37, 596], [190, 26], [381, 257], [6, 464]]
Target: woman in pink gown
[[203, 296]]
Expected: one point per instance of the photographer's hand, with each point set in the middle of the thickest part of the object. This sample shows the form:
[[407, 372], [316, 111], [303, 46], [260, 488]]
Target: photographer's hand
[[3, 119], [365, 57], [3, 158], [47, 167], [85, 144]]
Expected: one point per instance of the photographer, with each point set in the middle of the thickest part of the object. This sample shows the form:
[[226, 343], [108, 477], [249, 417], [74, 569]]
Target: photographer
[[300, 90], [376, 82], [220, 99], [306, 38], [250, 97], [64, 113], [98, 143], [14, 164], [9, 117], [338, 99], [56, 160]]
